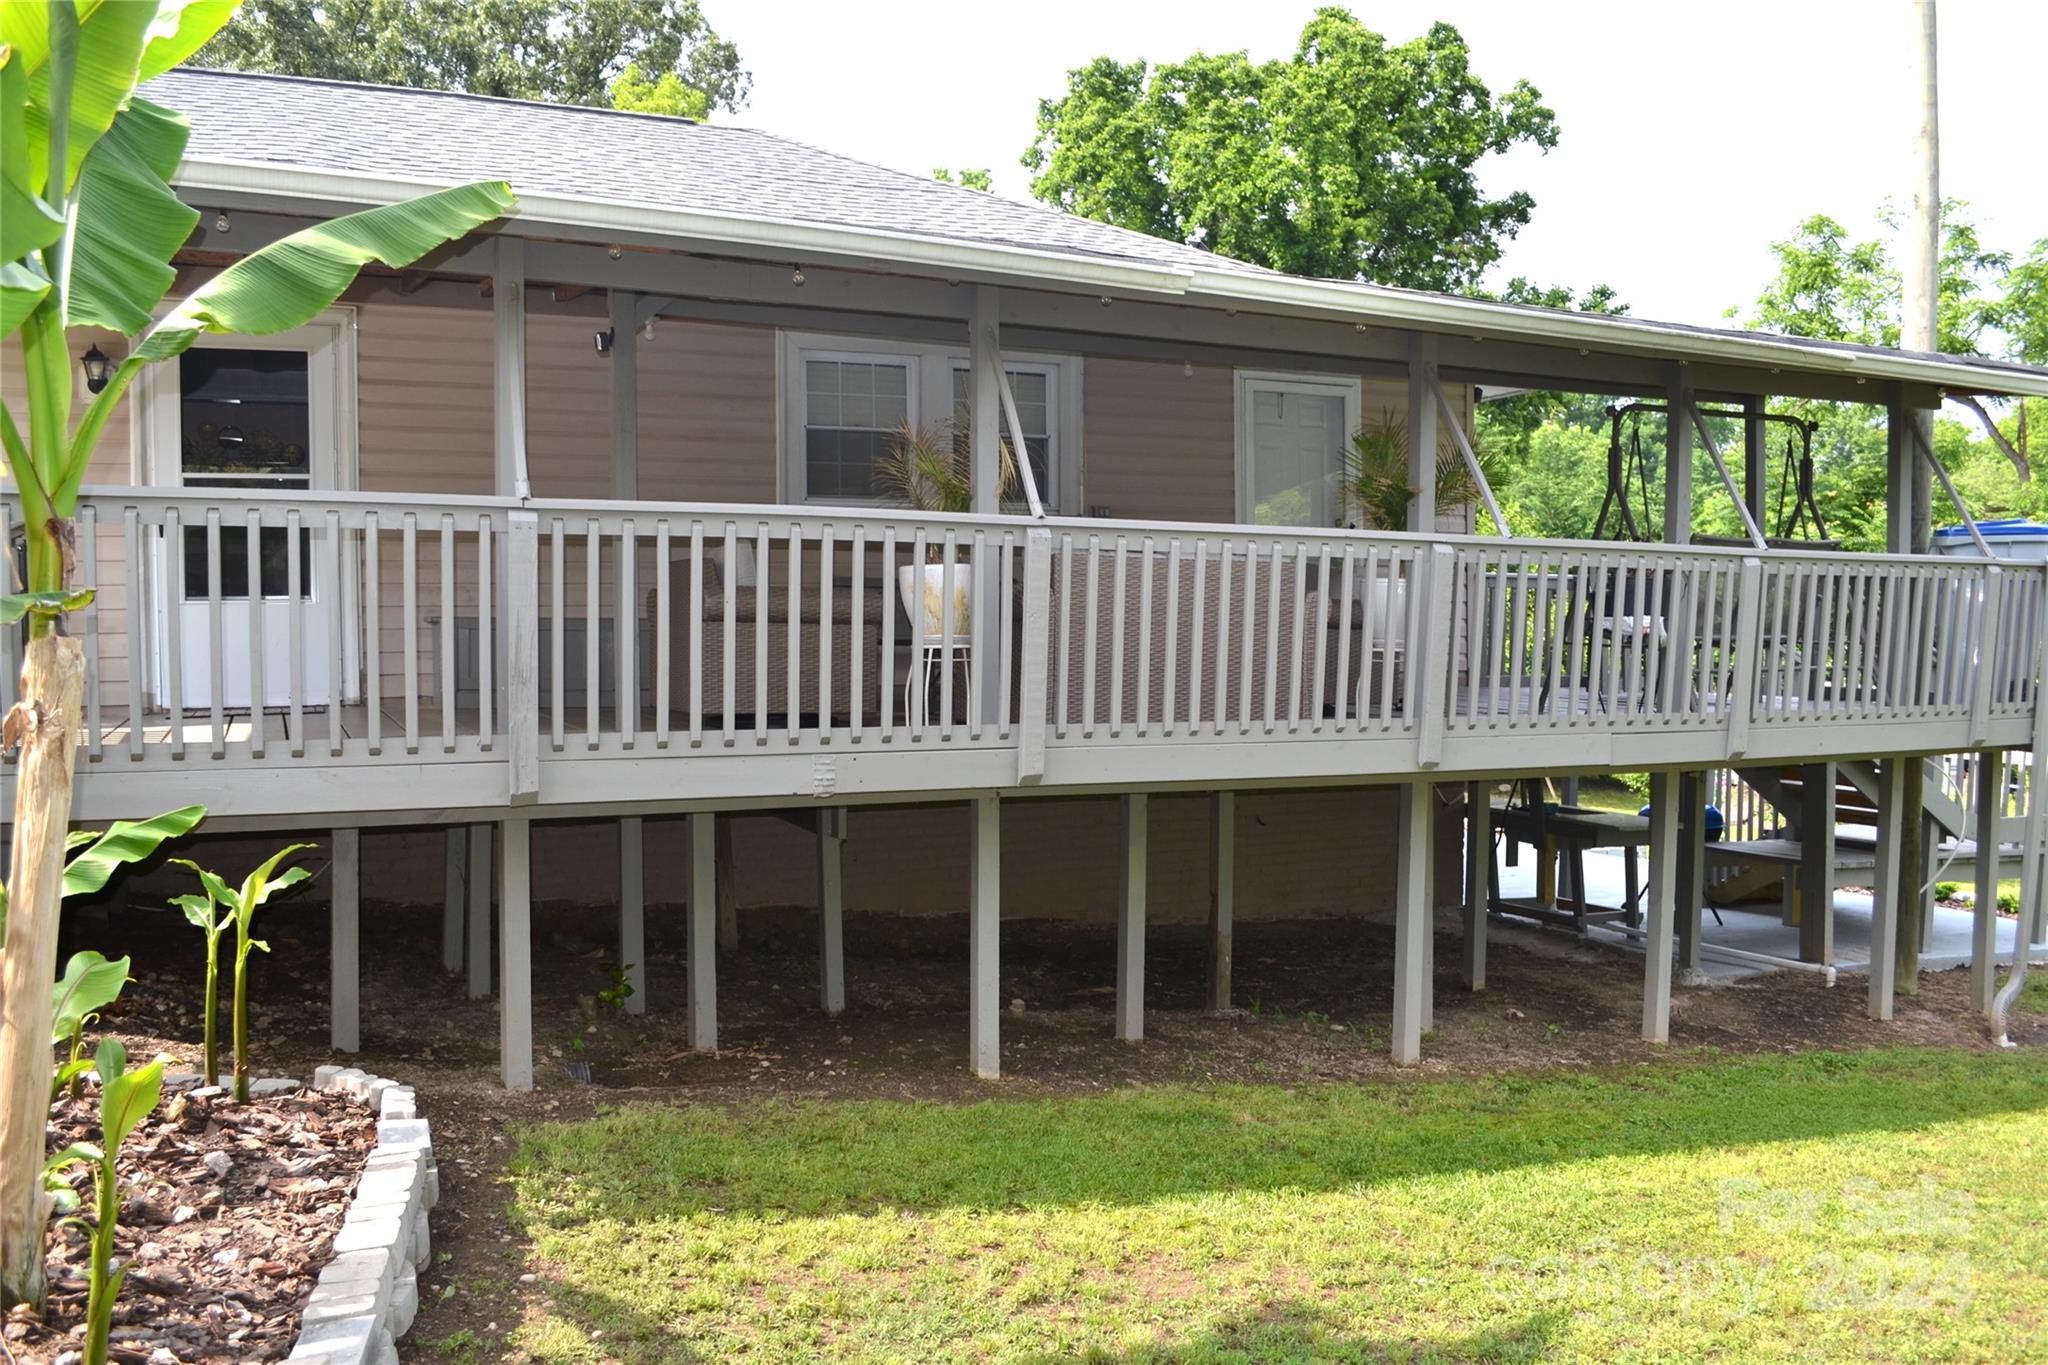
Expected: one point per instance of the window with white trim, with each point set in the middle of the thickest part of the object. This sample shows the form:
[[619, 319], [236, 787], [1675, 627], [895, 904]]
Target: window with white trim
[[853, 408], [844, 399]]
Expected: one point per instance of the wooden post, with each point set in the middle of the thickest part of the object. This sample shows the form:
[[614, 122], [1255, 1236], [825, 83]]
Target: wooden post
[[984, 935], [624, 308], [508, 379], [703, 944], [1423, 433], [451, 908], [1130, 922], [831, 910], [984, 346], [479, 911], [1478, 879], [1692, 871], [1756, 462], [344, 954], [1678, 457], [1893, 816], [515, 949], [1414, 847], [633, 911], [1989, 803], [521, 596], [1222, 895], [728, 889], [1816, 871], [1662, 893]]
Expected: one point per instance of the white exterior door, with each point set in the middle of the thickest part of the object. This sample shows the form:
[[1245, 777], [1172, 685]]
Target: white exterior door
[[238, 413], [1292, 434]]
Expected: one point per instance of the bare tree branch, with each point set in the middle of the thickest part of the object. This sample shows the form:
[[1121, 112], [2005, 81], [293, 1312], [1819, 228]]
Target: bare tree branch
[[2019, 461]]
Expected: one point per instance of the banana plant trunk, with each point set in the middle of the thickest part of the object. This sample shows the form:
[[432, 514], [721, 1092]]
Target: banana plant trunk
[[241, 1027], [213, 1012], [52, 691]]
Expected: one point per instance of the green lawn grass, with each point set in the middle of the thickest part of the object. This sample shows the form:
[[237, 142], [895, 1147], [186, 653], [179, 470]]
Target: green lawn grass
[[1883, 1205]]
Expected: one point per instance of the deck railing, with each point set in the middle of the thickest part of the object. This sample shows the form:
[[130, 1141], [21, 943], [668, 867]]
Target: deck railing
[[448, 628]]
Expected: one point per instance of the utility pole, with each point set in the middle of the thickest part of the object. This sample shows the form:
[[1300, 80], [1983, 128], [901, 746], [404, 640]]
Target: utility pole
[[1919, 332]]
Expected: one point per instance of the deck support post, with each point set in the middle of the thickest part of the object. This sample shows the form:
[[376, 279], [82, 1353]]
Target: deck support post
[[452, 902], [984, 936], [1988, 805], [1478, 878], [1662, 897], [703, 934], [479, 911], [1222, 896], [515, 948], [1678, 397], [1816, 869], [1414, 850], [1892, 817], [344, 957], [624, 307], [1692, 872], [1756, 456], [831, 911], [633, 911], [508, 357], [1423, 431], [1130, 921]]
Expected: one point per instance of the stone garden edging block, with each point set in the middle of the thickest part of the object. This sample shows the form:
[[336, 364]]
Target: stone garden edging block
[[366, 1297]]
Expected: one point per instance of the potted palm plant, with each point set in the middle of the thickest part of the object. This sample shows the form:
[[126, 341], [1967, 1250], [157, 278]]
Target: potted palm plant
[[1375, 484], [929, 469]]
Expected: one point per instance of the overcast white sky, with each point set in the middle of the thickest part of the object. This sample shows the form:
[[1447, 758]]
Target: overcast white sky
[[1691, 135]]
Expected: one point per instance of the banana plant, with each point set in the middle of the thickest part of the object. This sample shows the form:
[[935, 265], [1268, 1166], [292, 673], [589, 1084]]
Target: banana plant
[[241, 904], [89, 226], [90, 983], [126, 1097], [206, 913], [105, 851]]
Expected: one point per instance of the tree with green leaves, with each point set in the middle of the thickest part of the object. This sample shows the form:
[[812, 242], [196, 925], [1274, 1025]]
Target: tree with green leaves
[[973, 177], [562, 51], [1832, 288], [1355, 158], [88, 228]]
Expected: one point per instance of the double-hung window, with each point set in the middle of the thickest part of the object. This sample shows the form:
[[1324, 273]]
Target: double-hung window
[[853, 406], [846, 398]]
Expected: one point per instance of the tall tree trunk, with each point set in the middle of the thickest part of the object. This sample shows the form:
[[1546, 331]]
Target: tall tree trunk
[[52, 690], [1920, 331]]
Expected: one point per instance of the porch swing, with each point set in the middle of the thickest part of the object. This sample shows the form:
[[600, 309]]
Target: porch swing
[[1798, 526]]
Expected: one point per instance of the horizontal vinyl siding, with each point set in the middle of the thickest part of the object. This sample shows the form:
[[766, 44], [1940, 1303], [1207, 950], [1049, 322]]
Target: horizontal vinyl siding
[[1159, 443], [707, 413]]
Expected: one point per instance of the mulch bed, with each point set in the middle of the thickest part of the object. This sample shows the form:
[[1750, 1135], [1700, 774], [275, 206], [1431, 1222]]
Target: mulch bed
[[228, 1212]]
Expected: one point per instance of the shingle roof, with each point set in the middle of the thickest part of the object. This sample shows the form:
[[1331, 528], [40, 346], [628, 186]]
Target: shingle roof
[[623, 158]]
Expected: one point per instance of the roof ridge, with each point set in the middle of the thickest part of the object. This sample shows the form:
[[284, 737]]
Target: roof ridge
[[387, 87]]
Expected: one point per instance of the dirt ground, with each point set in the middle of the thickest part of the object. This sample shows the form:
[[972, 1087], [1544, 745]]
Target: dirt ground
[[1314, 1000]]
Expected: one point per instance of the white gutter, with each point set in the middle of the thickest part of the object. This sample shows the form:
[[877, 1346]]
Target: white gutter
[[1337, 299]]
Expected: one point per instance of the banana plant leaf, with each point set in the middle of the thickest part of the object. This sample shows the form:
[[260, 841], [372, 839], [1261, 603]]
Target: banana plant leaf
[[126, 841], [290, 280], [90, 983], [126, 1097], [130, 223]]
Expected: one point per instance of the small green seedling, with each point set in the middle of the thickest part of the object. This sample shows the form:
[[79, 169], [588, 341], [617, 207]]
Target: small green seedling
[[614, 996], [126, 1097]]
